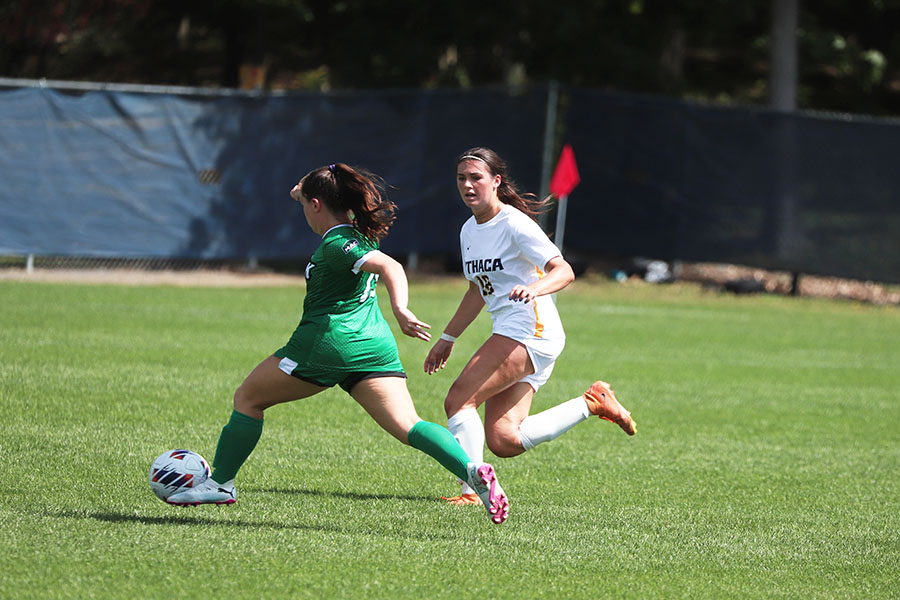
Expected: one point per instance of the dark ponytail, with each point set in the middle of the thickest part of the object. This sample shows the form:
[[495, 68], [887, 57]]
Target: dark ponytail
[[348, 189], [507, 192]]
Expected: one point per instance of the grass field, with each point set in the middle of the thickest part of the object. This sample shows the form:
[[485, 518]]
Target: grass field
[[767, 462]]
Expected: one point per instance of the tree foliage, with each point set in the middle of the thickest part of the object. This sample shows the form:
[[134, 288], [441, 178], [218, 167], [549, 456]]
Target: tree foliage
[[714, 50]]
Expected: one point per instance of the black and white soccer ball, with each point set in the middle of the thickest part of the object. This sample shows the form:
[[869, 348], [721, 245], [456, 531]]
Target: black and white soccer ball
[[176, 471]]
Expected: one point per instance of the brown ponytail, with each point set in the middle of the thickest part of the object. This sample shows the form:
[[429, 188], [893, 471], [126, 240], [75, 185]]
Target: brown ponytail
[[344, 188], [507, 192]]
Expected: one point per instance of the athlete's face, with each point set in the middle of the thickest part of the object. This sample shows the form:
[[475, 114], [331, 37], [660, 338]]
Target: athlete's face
[[478, 188]]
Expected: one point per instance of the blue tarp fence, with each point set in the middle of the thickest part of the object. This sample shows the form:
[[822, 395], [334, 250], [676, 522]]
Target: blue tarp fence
[[116, 174], [134, 173]]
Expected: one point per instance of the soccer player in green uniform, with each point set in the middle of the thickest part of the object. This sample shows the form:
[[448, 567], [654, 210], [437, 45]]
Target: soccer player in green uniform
[[343, 339]]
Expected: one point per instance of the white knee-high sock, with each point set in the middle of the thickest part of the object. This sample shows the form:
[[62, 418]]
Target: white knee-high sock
[[468, 430], [553, 422]]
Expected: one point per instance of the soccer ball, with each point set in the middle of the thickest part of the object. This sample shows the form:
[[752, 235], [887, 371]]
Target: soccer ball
[[176, 471]]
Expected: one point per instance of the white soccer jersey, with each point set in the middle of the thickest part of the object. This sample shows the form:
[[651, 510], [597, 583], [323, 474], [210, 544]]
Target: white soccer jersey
[[509, 250]]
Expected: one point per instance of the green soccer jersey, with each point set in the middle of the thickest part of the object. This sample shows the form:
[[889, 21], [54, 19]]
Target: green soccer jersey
[[342, 333], [335, 287]]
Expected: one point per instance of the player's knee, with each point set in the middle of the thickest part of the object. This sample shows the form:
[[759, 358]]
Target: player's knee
[[245, 401], [401, 426], [458, 399], [503, 445], [453, 403]]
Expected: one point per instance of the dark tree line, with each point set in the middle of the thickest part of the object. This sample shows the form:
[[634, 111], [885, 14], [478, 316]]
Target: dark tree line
[[719, 50]]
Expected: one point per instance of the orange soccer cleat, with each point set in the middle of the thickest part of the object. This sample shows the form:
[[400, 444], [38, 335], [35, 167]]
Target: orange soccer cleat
[[463, 499], [602, 402]]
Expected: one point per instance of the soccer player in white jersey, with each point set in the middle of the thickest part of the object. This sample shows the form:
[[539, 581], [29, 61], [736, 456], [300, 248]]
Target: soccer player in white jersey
[[512, 268]]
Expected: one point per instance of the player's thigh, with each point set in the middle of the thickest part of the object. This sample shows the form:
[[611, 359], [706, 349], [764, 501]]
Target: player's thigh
[[388, 402], [498, 364], [267, 385]]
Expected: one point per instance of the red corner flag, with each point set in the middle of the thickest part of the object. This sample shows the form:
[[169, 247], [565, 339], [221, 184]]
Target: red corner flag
[[565, 177]]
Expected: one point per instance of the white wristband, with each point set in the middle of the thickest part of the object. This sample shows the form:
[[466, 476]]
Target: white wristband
[[448, 338]]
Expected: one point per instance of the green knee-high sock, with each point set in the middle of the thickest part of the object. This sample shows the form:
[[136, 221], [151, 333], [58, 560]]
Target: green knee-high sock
[[237, 441], [438, 443]]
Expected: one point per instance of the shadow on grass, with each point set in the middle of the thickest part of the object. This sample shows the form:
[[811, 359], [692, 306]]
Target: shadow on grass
[[118, 518], [113, 517], [346, 495]]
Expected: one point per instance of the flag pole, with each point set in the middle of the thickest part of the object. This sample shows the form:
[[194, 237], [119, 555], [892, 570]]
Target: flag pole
[[560, 221], [560, 228], [565, 179], [549, 140]]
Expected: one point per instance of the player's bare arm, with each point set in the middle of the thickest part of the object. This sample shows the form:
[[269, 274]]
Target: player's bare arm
[[391, 273], [558, 275]]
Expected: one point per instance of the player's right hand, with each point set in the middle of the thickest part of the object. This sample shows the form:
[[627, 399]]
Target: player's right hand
[[410, 325]]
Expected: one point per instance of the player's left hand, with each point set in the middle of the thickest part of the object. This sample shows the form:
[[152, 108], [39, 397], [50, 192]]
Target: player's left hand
[[522, 293], [410, 325], [437, 357]]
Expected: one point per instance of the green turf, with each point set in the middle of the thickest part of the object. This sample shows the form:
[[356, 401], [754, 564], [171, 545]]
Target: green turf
[[767, 462]]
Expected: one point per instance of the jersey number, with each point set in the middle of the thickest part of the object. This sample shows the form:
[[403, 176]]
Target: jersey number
[[485, 282], [369, 292]]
